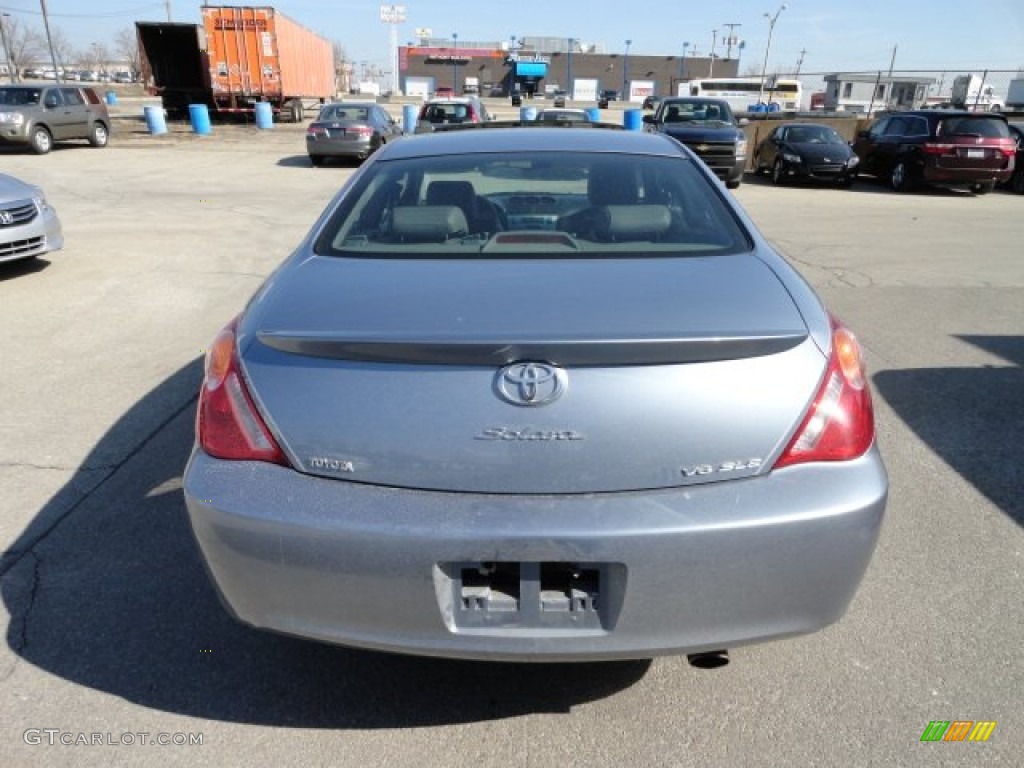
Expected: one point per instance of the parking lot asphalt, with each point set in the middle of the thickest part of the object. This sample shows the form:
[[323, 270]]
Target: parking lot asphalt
[[112, 627]]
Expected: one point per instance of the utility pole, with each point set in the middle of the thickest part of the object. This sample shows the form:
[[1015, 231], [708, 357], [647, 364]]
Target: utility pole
[[168, 10], [892, 62], [711, 59], [7, 45], [800, 63], [730, 39], [49, 41]]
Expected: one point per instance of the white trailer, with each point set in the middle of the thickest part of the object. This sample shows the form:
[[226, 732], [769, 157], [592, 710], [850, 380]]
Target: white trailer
[[972, 92]]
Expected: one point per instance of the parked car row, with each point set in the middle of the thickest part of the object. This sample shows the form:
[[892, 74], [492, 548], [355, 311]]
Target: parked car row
[[79, 75], [907, 150]]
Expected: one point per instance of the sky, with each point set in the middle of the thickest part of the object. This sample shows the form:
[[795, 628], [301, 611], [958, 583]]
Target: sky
[[831, 35]]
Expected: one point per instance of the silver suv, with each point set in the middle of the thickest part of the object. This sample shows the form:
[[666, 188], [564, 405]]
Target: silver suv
[[39, 115]]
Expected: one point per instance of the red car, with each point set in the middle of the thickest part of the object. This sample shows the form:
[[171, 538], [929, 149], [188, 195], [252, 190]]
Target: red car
[[941, 147]]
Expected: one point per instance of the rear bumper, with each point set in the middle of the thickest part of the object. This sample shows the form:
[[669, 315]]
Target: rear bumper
[[683, 570], [933, 174], [337, 148]]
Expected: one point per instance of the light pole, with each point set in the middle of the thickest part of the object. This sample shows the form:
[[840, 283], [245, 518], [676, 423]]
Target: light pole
[[568, 76], [455, 63], [711, 65], [625, 72], [682, 62], [7, 45], [767, 48]]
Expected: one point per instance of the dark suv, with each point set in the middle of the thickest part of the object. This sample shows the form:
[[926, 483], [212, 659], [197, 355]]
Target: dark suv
[[941, 147], [710, 129], [39, 115]]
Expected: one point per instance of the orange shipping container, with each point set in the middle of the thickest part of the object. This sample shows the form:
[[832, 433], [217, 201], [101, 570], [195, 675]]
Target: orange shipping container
[[239, 56], [255, 51]]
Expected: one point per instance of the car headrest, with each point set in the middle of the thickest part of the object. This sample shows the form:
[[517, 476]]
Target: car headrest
[[460, 193], [428, 223], [613, 183], [633, 222]]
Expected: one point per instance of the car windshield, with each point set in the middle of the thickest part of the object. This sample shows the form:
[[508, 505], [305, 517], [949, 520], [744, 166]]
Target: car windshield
[[19, 97], [974, 125], [344, 113], [684, 111], [813, 134], [542, 204]]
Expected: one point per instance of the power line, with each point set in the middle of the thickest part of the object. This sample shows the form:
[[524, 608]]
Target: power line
[[105, 15]]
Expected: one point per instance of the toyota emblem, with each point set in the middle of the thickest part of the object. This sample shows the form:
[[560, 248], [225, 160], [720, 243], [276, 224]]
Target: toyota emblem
[[531, 383]]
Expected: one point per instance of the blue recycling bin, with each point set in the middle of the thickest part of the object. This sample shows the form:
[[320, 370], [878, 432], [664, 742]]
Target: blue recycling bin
[[527, 113], [264, 115], [200, 117], [593, 114], [409, 112], [155, 122], [633, 119], [111, 97]]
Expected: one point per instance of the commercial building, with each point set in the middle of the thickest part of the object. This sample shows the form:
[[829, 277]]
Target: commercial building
[[534, 65]]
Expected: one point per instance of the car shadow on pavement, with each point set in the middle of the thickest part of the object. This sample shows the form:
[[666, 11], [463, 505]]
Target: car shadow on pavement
[[973, 418], [295, 161], [109, 592], [22, 267]]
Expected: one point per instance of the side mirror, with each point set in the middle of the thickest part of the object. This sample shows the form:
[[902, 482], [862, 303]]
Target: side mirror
[[649, 119]]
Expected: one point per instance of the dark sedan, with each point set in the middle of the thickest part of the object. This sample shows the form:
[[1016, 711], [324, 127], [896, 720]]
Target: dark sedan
[[349, 130], [537, 395], [806, 151]]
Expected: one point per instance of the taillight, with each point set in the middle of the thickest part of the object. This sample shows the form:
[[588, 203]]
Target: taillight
[[1008, 147], [360, 130], [933, 148], [316, 132], [840, 424], [227, 423]]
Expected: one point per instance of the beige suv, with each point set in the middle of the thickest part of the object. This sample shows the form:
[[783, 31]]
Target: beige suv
[[39, 115]]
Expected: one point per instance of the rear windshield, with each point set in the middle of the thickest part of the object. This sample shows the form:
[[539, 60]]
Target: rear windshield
[[543, 204], [986, 126], [446, 113], [344, 113]]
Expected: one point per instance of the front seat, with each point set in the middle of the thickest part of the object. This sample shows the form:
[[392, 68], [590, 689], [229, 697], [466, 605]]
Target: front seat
[[480, 214], [609, 183]]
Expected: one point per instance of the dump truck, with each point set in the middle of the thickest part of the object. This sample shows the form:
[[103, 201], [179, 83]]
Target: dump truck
[[238, 56]]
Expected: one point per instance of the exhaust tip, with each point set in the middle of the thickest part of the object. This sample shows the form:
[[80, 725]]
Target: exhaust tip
[[709, 659]]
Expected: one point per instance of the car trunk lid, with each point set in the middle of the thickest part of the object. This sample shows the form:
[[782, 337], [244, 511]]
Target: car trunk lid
[[671, 371]]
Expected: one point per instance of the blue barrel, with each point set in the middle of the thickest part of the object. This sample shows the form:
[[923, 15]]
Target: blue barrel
[[200, 117], [409, 112], [593, 114], [264, 115], [155, 122], [111, 97], [757, 108], [527, 113], [633, 119]]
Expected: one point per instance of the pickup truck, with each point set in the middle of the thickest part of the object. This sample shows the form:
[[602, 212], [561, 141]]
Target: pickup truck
[[710, 129]]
